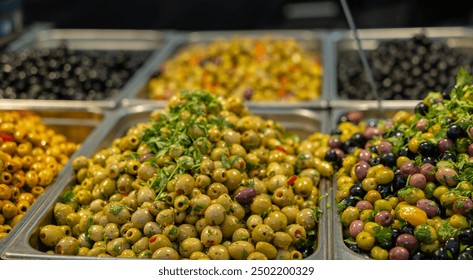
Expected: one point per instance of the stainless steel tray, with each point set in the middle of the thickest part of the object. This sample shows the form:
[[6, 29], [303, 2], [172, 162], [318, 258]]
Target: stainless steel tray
[[76, 125], [25, 243], [339, 250], [90, 39], [315, 41], [460, 38]]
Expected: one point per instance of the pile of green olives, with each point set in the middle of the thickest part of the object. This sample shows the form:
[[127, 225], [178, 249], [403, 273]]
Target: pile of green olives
[[404, 185], [31, 155], [202, 179]]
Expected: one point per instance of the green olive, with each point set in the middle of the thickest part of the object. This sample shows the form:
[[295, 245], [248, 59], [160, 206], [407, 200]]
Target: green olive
[[140, 217], [305, 218], [50, 235], [158, 241], [282, 240], [218, 252], [262, 232], [117, 213], [111, 231], [261, 203], [215, 214], [241, 234], [61, 211], [189, 246], [141, 245], [151, 228], [165, 217], [165, 253], [96, 232], [240, 250], [68, 245], [186, 231], [211, 235], [116, 246], [276, 220], [184, 184]]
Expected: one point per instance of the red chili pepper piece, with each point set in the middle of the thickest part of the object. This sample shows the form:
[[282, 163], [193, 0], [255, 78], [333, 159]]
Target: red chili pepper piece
[[280, 148], [6, 137], [291, 180]]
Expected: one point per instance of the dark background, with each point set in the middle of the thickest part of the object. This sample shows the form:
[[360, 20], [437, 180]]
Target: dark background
[[244, 14]]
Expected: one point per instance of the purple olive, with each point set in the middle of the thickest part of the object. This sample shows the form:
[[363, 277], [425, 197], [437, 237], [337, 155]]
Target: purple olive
[[408, 168], [430, 207], [364, 155], [355, 117], [407, 241], [470, 149], [385, 147], [146, 156], [246, 196], [421, 124], [384, 218], [334, 142], [356, 227], [445, 144], [418, 180], [462, 205], [361, 168], [371, 132], [398, 253], [428, 170], [363, 205], [446, 175]]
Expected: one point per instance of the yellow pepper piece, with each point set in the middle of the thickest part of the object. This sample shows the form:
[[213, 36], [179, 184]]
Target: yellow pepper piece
[[412, 214]]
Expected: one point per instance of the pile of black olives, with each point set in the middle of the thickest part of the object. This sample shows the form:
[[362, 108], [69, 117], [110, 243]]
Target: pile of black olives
[[63, 73], [404, 185], [403, 69]]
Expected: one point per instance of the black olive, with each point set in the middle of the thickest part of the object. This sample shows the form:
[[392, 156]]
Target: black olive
[[448, 156], [443, 254], [331, 156], [398, 182], [407, 153], [385, 190], [358, 140], [350, 200], [408, 229], [356, 249], [466, 237], [455, 131], [428, 149], [453, 245], [342, 118], [421, 108], [420, 256], [374, 161], [388, 159], [430, 160], [357, 190], [464, 256]]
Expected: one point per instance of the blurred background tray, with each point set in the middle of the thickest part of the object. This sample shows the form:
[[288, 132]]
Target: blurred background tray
[[99, 61], [313, 41], [452, 47]]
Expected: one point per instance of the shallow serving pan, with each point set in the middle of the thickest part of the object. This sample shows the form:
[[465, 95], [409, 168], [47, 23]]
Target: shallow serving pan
[[76, 125], [139, 41], [315, 41], [460, 38], [339, 250], [26, 243]]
